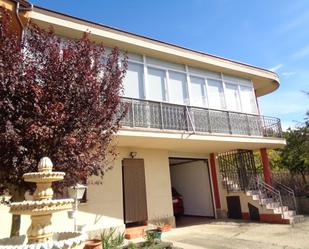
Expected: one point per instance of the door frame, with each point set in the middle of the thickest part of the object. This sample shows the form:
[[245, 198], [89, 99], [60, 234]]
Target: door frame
[[123, 193], [206, 162]]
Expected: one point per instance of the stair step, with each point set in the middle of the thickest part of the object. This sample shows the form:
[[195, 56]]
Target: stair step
[[278, 209], [232, 184], [265, 201], [252, 192], [273, 205], [297, 219], [255, 197], [258, 197], [289, 214], [255, 194]]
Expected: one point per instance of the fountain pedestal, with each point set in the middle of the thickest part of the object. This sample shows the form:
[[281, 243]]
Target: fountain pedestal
[[41, 209], [40, 229]]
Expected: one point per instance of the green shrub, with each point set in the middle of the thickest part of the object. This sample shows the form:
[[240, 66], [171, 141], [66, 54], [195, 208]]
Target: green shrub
[[111, 240]]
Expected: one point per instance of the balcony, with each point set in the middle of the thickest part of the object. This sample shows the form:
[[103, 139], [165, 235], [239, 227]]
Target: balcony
[[165, 116]]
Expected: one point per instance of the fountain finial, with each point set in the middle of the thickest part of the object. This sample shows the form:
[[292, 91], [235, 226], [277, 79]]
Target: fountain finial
[[45, 165]]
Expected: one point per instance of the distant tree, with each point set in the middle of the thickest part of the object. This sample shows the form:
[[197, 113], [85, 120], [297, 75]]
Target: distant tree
[[58, 98], [307, 114], [274, 160], [295, 155]]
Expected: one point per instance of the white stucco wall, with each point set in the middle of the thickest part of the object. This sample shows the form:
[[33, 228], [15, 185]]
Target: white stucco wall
[[105, 201], [158, 185], [191, 180]]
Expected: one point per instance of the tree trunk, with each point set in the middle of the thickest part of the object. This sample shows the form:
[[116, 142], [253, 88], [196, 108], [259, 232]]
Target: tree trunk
[[304, 178], [18, 195]]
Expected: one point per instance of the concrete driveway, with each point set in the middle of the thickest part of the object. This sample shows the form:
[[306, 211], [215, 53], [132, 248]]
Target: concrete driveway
[[229, 234]]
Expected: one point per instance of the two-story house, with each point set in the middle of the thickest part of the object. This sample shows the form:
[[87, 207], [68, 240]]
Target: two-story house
[[193, 122]]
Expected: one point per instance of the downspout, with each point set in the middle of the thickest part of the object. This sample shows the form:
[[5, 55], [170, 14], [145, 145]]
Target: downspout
[[18, 10]]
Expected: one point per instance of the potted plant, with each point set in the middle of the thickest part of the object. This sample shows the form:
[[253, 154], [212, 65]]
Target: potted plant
[[152, 234], [163, 224], [110, 239], [93, 244]]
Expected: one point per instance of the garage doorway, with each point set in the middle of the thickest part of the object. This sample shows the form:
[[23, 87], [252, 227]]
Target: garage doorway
[[191, 187]]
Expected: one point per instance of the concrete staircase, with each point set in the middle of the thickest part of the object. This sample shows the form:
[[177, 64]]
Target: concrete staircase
[[274, 202], [230, 184], [281, 213]]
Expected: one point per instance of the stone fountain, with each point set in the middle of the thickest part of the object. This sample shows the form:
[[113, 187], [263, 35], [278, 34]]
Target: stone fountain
[[40, 234]]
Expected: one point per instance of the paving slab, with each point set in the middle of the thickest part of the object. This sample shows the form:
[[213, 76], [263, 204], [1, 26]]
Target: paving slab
[[231, 234]]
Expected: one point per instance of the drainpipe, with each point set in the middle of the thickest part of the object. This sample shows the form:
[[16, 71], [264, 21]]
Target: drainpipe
[[18, 10]]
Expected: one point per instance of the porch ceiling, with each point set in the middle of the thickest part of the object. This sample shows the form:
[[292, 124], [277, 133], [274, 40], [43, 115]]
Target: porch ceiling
[[194, 143]]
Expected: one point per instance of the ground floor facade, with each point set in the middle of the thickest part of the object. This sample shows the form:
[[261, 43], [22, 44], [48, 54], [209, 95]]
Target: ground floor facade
[[138, 191], [105, 200]]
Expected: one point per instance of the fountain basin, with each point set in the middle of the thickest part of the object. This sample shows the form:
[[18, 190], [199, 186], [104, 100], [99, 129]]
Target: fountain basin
[[42, 207], [63, 240], [41, 177]]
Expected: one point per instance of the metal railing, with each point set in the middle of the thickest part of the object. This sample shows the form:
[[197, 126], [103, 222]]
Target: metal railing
[[236, 168], [235, 181], [166, 116], [287, 195], [266, 191], [295, 181]]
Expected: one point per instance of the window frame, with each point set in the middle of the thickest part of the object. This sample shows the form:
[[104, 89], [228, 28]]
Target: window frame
[[187, 86]]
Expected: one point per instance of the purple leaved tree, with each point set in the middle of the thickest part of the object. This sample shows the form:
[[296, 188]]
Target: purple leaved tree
[[58, 98]]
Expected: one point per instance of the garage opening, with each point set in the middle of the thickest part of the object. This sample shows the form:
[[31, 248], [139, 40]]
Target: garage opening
[[191, 190]]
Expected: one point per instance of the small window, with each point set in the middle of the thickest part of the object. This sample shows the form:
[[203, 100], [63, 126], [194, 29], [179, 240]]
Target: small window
[[133, 81], [248, 100], [232, 97], [177, 88], [215, 94], [198, 95], [156, 84]]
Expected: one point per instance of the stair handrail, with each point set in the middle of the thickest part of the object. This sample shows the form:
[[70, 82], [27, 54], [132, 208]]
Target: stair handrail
[[263, 187], [287, 188], [289, 191]]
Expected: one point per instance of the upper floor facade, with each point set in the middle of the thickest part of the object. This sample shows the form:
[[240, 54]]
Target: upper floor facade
[[171, 96], [158, 80], [174, 90]]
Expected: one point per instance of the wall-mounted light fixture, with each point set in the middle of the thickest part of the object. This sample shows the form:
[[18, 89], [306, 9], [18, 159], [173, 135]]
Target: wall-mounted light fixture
[[133, 154]]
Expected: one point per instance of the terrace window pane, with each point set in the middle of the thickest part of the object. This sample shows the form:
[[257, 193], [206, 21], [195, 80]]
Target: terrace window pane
[[197, 91], [156, 84], [216, 94], [248, 100], [177, 88], [133, 82], [232, 97]]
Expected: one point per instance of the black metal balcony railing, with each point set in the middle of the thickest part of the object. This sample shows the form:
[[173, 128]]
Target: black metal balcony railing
[[151, 114]]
